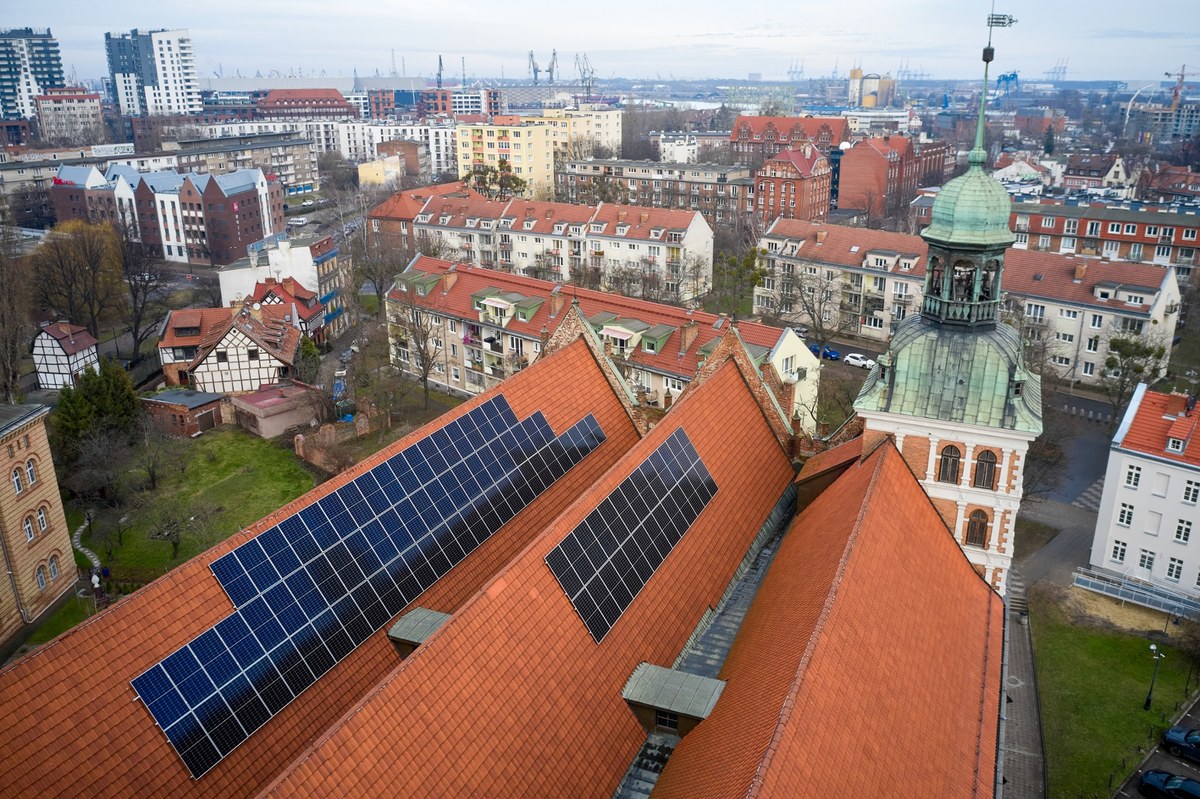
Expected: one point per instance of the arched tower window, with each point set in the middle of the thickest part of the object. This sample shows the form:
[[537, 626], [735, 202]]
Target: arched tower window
[[18, 486], [948, 464], [964, 280], [41, 577], [30, 471], [934, 286], [985, 470], [977, 524]]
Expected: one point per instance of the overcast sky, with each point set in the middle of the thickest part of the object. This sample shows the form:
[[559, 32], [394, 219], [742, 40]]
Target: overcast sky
[[1101, 39]]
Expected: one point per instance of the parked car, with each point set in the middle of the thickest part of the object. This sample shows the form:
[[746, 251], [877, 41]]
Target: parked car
[[299, 221], [346, 356], [858, 359], [308, 204], [1182, 742], [340, 373], [828, 354], [1164, 785], [801, 330]]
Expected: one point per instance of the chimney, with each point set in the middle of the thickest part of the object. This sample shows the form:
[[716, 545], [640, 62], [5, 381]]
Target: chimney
[[295, 318], [644, 217], [1080, 271], [687, 335], [821, 234], [449, 279], [557, 301], [621, 215]]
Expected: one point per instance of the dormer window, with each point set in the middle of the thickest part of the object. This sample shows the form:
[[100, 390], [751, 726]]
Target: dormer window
[[472, 222], [1174, 445], [444, 220], [649, 345], [529, 223], [622, 230], [597, 227], [656, 233]]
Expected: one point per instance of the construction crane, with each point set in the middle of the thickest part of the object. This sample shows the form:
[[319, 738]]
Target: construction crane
[[439, 75], [587, 74], [553, 66], [1011, 83], [1177, 94], [534, 68]]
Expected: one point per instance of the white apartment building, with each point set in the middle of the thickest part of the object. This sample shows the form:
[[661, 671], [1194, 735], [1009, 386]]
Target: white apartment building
[[154, 72], [1150, 509], [652, 253], [870, 280], [597, 124]]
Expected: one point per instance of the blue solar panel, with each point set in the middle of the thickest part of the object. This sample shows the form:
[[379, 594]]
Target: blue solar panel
[[312, 588], [606, 560]]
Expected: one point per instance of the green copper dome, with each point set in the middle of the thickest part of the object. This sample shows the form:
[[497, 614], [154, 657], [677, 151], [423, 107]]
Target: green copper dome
[[972, 209]]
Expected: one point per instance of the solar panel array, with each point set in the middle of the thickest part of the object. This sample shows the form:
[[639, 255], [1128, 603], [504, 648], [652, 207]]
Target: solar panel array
[[606, 560], [315, 586]]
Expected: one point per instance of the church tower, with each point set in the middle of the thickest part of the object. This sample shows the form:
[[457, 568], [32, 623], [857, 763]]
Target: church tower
[[953, 388]]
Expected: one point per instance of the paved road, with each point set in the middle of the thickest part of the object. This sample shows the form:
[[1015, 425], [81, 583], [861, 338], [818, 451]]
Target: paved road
[[1057, 560], [1160, 759]]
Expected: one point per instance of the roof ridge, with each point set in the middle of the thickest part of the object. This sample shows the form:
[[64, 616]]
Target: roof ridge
[[789, 701]]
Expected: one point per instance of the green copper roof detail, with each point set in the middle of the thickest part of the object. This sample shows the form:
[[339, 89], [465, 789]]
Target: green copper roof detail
[[960, 376]]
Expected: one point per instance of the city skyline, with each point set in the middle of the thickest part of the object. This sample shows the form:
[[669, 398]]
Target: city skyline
[[642, 42]]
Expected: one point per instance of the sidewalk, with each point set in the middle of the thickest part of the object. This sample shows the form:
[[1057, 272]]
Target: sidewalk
[[1024, 754]]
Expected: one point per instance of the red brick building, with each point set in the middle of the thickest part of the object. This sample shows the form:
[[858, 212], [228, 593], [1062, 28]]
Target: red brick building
[[872, 176], [183, 412], [382, 103], [794, 184], [754, 140]]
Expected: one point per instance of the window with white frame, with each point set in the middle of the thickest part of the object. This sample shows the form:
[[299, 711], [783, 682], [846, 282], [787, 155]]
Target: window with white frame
[[1065, 313], [1097, 321], [1067, 337], [1133, 476], [1174, 445], [1191, 491], [18, 487], [1093, 344], [1061, 360], [673, 384], [28, 525], [1118, 551], [1089, 368], [41, 517], [1146, 559], [1183, 531], [1174, 569], [1125, 516], [1114, 227]]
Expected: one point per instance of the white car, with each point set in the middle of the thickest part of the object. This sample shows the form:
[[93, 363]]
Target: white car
[[307, 204], [858, 359]]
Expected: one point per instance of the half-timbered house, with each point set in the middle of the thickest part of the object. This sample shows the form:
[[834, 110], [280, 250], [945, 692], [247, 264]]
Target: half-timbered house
[[62, 352], [250, 350]]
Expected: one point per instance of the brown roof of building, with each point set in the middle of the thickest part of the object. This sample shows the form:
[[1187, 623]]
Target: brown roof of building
[[203, 320], [405, 205], [512, 696], [1032, 273], [670, 358], [848, 246], [303, 97], [1159, 417], [783, 127], [290, 294], [1077, 164], [279, 339], [856, 611], [71, 338], [805, 162], [842, 454], [70, 723], [642, 219]]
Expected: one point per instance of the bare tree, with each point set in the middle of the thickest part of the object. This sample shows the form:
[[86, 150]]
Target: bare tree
[[78, 272], [176, 525], [15, 330], [1047, 460], [818, 297], [416, 330], [155, 451], [146, 283], [1133, 357]]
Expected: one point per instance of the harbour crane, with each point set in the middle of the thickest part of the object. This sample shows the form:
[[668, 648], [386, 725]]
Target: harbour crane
[[439, 75], [553, 66], [534, 68]]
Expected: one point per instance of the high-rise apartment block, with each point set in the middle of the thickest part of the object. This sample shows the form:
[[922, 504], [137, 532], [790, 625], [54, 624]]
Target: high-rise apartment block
[[29, 66], [153, 72]]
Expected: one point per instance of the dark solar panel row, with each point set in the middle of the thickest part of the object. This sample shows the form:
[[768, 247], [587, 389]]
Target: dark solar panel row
[[606, 560], [314, 587]]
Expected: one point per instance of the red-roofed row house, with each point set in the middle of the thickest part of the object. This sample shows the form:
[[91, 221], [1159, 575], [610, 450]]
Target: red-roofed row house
[[864, 282], [481, 326], [557, 620]]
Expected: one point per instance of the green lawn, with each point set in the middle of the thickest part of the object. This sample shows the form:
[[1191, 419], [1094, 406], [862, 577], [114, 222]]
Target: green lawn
[[75, 610], [1093, 684], [244, 476]]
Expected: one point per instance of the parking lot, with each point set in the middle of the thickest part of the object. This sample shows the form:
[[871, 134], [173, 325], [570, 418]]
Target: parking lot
[[1162, 760]]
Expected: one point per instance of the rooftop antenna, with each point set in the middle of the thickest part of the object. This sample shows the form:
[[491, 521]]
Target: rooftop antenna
[[978, 154]]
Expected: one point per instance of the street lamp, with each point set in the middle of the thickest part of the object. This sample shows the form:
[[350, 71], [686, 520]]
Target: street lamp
[[1154, 653]]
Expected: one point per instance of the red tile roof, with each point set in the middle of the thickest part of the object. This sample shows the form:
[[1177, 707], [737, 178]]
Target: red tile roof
[[840, 455], [848, 246], [278, 338], [843, 680], [290, 294], [810, 127], [303, 97], [512, 696], [202, 319], [71, 338], [1159, 417], [1058, 272], [804, 162], [545, 215], [405, 205], [69, 720], [670, 359], [641, 219]]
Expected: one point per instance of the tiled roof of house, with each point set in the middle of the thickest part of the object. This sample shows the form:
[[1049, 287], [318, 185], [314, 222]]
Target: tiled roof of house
[[1077, 164], [541, 217], [1032, 273], [187, 397], [848, 246], [804, 161], [783, 127], [202, 320], [512, 696], [461, 208], [290, 294], [1153, 419], [277, 338], [641, 219], [840, 455], [1103, 212], [70, 723], [71, 338], [670, 359], [406, 205], [294, 97], [857, 609]]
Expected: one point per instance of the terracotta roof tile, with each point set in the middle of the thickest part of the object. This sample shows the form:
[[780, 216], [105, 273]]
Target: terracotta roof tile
[[844, 647], [1158, 417], [840, 455], [72, 697], [484, 705], [405, 205], [203, 320], [1032, 273], [71, 338], [848, 246]]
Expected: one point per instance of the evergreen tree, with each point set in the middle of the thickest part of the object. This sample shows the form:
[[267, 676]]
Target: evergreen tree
[[101, 403], [308, 363]]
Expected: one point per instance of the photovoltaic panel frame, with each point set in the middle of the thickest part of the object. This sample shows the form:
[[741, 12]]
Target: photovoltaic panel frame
[[607, 559], [312, 588]]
